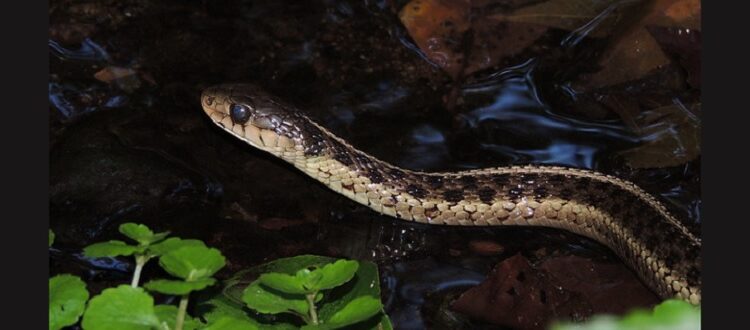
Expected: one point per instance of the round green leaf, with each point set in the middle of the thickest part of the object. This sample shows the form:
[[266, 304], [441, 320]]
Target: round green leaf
[[178, 288], [285, 283], [192, 262], [333, 275], [231, 323], [67, 300], [51, 237], [357, 310], [121, 308], [268, 301], [172, 243], [167, 314], [109, 249], [141, 233]]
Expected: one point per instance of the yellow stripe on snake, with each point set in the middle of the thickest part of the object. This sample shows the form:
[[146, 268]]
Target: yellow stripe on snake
[[617, 213]]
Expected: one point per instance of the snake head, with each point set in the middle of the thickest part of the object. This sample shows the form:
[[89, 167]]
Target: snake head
[[259, 118]]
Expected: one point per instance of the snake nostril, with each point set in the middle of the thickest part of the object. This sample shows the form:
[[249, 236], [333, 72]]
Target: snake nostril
[[209, 100]]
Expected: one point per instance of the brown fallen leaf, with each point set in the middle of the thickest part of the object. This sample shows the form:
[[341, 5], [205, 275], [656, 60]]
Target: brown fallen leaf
[[438, 28], [124, 78], [635, 53], [461, 37], [671, 134]]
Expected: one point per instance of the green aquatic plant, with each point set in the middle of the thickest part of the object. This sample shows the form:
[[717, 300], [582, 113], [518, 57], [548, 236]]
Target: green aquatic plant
[[308, 292], [320, 292], [194, 265], [133, 308], [668, 315], [150, 245]]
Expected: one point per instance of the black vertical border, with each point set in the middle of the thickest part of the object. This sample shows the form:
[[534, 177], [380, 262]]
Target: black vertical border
[[25, 163], [725, 163]]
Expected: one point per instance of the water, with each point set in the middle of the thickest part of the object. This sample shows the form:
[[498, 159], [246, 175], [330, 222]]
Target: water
[[139, 148]]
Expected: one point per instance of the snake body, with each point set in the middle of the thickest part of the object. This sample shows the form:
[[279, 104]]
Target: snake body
[[617, 213]]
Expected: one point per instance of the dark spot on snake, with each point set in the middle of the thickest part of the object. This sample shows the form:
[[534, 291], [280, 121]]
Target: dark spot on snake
[[543, 296], [375, 176], [396, 173], [500, 179], [362, 161], [435, 182], [616, 207], [566, 193], [239, 113], [540, 192], [416, 191], [343, 158], [556, 178], [453, 196], [515, 193], [583, 183], [486, 195], [467, 180], [601, 185]]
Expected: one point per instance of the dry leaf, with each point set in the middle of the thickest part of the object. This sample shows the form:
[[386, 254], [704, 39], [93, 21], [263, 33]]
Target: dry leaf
[[438, 28], [671, 136], [124, 78]]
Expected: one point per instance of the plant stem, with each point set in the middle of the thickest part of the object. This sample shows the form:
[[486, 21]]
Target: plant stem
[[140, 261], [313, 311], [181, 312]]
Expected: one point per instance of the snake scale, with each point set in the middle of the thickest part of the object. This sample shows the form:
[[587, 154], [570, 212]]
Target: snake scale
[[617, 213]]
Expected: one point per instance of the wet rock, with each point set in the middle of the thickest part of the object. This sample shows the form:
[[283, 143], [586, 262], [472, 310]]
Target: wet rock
[[521, 296], [97, 183]]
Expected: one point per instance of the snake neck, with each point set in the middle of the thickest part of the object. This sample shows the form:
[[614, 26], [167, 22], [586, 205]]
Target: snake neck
[[609, 210]]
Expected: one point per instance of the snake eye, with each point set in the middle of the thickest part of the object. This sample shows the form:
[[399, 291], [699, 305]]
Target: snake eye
[[240, 113]]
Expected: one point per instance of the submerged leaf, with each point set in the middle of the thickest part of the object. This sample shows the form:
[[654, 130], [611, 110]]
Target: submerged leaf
[[671, 136], [634, 52], [562, 14]]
